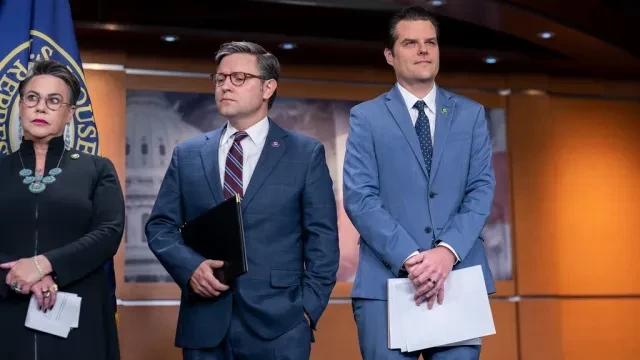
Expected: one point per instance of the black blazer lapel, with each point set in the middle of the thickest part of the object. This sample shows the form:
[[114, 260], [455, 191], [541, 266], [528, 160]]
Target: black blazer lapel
[[209, 157], [274, 147]]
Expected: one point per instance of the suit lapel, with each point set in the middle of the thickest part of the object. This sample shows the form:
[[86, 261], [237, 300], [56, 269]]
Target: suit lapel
[[400, 114], [209, 157], [444, 110], [274, 148]]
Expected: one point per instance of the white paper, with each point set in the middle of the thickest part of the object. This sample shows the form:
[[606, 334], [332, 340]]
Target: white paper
[[60, 319], [463, 318]]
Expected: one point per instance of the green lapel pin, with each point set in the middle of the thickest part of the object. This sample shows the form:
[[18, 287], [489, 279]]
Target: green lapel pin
[[444, 111]]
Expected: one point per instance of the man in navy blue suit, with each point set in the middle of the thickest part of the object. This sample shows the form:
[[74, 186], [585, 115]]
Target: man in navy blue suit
[[289, 215], [418, 187]]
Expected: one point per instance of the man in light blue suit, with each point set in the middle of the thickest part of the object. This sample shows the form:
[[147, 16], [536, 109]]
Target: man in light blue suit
[[289, 215], [418, 186]]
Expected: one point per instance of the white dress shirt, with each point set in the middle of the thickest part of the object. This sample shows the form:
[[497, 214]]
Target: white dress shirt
[[410, 100], [251, 148]]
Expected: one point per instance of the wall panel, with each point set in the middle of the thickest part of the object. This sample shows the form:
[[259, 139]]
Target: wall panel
[[579, 329], [107, 92], [581, 197], [532, 177], [597, 194], [148, 332]]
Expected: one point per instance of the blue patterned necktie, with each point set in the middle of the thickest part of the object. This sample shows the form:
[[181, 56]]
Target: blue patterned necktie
[[424, 134]]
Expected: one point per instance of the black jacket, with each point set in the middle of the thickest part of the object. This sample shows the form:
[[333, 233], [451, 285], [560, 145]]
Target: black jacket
[[77, 223]]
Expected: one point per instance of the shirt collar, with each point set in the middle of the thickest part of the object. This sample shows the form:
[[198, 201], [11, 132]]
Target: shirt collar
[[257, 132], [410, 99]]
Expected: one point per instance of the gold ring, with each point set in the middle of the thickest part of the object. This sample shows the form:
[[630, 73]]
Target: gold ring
[[54, 287], [46, 293]]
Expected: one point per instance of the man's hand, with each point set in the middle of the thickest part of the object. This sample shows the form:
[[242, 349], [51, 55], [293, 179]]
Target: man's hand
[[428, 271], [409, 266], [204, 283]]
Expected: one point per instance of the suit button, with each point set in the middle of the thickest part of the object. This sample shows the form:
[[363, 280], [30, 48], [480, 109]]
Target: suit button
[[432, 194], [427, 229]]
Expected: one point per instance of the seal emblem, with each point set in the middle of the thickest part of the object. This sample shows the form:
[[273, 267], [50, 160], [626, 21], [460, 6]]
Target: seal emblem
[[81, 134]]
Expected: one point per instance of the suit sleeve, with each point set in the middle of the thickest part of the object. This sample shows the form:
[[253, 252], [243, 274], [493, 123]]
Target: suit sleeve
[[77, 259], [463, 229], [321, 246], [163, 229], [378, 229]]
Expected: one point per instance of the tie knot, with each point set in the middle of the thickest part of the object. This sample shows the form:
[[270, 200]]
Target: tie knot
[[420, 105], [238, 136]]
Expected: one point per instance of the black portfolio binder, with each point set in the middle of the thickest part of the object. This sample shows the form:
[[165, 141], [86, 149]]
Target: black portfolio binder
[[218, 234]]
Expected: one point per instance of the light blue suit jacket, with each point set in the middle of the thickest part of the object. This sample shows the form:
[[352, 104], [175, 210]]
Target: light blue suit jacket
[[396, 206]]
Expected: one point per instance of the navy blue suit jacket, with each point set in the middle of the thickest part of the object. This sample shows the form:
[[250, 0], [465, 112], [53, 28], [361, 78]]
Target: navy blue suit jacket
[[291, 234]]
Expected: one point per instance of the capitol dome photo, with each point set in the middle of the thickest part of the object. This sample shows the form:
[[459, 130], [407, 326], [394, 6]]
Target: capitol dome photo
[[154, 128]]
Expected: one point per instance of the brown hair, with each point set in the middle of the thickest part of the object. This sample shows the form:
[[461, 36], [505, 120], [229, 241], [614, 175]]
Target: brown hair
[[57, 69], [413, 13], [268, 64]]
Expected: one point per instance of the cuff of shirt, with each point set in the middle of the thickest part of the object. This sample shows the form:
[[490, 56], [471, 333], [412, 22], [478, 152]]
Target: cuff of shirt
[[442, 243]]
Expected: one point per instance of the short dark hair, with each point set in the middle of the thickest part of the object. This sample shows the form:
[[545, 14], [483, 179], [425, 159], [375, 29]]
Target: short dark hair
[[412, 13], [268, 64], [57, 69]]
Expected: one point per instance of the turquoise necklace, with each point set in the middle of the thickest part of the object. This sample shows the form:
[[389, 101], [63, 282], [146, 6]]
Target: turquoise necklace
[[37, 183]]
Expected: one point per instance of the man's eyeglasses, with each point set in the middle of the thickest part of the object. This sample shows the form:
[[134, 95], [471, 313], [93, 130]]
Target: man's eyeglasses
[[237, 78], [53, 103]]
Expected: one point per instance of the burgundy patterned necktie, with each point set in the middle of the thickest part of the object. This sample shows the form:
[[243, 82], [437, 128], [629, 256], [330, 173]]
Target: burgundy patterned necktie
[[233, 167]]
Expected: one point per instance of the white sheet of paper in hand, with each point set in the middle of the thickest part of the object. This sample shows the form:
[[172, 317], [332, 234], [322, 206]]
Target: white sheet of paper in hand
[[59, 320], [464, 316], [70, 311], [399, 293]]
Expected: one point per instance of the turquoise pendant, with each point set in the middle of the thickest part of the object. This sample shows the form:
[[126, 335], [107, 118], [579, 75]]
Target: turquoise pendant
[[38, 182], [37, 187], [55, 171]]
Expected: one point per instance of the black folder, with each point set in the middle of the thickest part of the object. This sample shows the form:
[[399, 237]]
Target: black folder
[[218, 234]]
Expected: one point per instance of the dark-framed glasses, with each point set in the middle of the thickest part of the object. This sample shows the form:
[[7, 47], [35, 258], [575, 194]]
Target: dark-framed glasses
[[237, 78], [53, 103]]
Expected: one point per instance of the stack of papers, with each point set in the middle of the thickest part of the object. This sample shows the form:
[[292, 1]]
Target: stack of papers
[[463, 318], [60, 319]]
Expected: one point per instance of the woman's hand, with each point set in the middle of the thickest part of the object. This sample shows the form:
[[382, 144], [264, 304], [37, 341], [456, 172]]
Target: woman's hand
[[24, 273], [45, 291]]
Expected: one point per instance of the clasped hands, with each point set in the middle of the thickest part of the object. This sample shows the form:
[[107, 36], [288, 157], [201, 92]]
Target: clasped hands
[[24, 277], [428, 271]]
